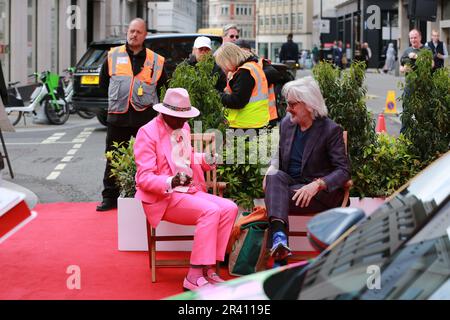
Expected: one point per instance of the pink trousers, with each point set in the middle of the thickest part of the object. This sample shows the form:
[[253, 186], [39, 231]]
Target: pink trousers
[[213, 217]]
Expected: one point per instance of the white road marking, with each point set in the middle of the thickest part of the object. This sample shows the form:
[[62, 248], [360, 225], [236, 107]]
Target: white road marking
[[76, 140], [71, 152], [53, 175], [82, 136], [60, 167], [53, 138]]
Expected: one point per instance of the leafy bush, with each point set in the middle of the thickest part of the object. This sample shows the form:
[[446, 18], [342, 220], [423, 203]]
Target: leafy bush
[[200, 84], [380, 164], [426, 108], [385, 166], [123, 167], [244, 181], [344, 93]]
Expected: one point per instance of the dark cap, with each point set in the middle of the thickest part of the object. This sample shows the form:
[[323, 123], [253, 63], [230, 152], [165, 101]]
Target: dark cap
[[243, 44]]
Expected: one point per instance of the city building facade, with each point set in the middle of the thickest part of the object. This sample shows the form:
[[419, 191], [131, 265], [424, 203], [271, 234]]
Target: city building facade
[[179, 16], [276, 19], [377, 22], [239, 12]]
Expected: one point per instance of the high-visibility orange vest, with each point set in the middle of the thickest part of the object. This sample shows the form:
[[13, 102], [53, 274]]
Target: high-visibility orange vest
[[272, 98], [255, 113], [125, 88]]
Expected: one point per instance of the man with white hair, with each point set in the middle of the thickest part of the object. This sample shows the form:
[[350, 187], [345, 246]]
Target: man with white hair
[[311, 168]]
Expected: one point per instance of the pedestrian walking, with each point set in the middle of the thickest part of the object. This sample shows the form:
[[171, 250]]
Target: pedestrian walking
[[438, 48], [289, 50], [133, 76], [391, 55]]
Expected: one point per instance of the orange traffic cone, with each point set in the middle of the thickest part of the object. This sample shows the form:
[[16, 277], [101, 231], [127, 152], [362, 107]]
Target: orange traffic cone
[[381, 124]]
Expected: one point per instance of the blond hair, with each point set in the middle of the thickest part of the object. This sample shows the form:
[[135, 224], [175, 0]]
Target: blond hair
[[228, 27], [230, 56]]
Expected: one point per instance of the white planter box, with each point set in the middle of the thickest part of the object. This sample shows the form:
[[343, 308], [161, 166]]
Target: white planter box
[[132, 229]]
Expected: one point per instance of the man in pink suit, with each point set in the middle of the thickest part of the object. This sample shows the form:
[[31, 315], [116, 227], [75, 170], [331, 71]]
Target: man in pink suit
[[171, 185]]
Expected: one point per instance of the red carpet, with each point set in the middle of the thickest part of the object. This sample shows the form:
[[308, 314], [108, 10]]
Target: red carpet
[[34, 261]]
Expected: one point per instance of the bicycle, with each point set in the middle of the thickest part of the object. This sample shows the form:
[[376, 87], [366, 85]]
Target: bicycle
[[68, 93], [49, 95]]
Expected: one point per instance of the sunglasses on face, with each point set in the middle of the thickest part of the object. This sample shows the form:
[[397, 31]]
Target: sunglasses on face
[[234, 36]]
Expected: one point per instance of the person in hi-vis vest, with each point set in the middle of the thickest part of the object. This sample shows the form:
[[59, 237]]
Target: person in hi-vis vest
[[273, 77], [247, 94], [133, 76]]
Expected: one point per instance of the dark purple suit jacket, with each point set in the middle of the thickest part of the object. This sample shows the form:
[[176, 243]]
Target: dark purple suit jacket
[[323, 157]]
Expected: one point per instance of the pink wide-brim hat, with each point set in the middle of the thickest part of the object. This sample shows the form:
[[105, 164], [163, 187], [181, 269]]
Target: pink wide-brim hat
[[177, 104]]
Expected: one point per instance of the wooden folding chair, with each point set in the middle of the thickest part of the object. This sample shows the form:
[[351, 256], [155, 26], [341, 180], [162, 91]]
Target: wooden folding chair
[[205, 142]]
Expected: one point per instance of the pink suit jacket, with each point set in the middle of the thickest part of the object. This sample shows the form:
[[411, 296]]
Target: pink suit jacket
[[152, 152]]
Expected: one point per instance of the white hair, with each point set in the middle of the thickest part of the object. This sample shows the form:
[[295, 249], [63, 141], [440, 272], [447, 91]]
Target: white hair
[[306, 90]]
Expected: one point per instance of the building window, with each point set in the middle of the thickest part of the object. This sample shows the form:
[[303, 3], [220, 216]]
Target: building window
[[225, 10], [300, 21], [279, 21], [263, 49], [286, 21]]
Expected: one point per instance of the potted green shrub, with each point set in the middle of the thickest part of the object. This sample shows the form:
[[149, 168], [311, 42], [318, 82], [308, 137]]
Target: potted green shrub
[[380, 164], [131, 220]]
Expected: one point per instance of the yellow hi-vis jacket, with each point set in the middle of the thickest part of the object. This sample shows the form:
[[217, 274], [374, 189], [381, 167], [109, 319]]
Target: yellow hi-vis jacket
[[272, 98], [255, 113], [125, 88]]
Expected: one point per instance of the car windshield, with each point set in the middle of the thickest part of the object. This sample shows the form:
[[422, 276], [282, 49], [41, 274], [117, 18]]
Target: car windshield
[[94, 57], [402, 251]]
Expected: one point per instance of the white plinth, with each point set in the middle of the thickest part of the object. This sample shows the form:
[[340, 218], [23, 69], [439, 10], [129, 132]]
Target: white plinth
[[132, 229]]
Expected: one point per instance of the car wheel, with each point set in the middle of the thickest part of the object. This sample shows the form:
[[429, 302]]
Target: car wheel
[[102, 116]]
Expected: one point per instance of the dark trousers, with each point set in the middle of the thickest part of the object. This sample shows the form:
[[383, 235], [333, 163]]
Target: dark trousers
[[114, 134], [280, 188]]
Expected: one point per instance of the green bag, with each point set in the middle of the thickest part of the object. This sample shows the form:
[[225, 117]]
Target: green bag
[[249, 253]]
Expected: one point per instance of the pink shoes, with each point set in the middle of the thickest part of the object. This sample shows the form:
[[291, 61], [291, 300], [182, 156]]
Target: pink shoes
[[213, 277], [200, 283]]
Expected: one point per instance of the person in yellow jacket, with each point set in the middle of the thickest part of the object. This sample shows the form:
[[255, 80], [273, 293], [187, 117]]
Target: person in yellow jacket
[[247, 94], [273, 78], [133, 76]]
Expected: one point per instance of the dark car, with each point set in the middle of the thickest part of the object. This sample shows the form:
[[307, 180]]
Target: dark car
[[89, 96], [400, 252]]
